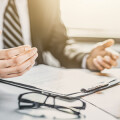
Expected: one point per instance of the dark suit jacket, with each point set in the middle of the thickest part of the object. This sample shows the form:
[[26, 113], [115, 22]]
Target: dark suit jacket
[[48, 33]]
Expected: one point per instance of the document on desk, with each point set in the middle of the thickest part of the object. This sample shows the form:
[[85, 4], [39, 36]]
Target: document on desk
[[109, 100], [63, 81]]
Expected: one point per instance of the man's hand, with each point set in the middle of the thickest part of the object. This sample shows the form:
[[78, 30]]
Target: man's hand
[[16, 61], [100, 58]]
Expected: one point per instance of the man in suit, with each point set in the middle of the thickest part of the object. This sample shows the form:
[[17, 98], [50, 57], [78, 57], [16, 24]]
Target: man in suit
[[37, 23]]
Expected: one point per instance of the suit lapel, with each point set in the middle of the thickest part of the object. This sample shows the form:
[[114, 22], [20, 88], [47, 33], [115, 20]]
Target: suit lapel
[[36, 26], [42, 15]]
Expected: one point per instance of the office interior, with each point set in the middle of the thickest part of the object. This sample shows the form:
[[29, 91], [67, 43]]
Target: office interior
[[89, 22]]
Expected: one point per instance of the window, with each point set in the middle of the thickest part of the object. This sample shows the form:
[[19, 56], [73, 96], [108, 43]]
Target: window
[[91, 18]]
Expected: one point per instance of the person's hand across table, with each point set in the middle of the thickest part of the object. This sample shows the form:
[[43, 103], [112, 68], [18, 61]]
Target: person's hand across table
[[16, 61], [100, 58]]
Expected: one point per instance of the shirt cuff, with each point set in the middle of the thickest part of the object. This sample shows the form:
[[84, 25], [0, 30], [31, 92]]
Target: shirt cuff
[[84, 61]]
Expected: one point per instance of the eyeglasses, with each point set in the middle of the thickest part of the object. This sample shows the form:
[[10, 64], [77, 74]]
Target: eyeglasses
[[33, 100]]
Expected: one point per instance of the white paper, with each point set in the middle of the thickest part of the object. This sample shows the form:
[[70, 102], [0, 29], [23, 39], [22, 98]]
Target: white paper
[[58, 80]]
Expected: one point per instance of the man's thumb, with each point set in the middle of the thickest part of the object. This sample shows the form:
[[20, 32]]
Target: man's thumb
[[107, 43]]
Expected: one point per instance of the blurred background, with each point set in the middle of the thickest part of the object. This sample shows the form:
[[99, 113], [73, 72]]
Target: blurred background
[[92, 18], [91, 21]]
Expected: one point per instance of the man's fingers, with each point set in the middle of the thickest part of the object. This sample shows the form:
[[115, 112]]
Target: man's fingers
[[104, 64], [110, 61], [17, 50], [97, 65], [112, 53], [18, 59], [9, 53], [25, 56], [18, 69], [106, 44], [115, 57], [18, 74], [6, 63]]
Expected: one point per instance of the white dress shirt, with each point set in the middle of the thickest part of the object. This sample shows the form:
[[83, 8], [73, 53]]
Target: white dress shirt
[[22, 8]]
